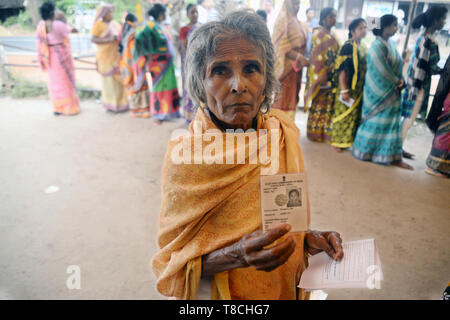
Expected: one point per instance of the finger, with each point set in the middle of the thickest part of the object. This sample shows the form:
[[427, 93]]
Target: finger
[[323, 244], [273, 264], [252, 235], [260, 241], [272, 254], [336, 243], [313, 251]]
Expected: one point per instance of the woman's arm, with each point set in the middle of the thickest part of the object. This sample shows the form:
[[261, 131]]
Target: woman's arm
[[343, 84], [295, 55], [249, 251], [98, 40], [184, 45]]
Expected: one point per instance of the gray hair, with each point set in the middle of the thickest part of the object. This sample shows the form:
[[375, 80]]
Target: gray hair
[[204, 41]]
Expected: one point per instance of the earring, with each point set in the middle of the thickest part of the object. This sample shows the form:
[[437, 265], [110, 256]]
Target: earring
[[266, 109]]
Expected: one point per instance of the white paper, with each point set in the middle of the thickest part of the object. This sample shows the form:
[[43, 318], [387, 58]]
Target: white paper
[[51, 189], [360, 268], [348, 103]]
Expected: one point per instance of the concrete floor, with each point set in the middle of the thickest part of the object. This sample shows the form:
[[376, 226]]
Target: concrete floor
[[104, 217]]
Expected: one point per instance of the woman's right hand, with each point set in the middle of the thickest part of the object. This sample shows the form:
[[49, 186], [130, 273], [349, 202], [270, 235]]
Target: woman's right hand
[[345, 96], [251, 248], [303, 61]]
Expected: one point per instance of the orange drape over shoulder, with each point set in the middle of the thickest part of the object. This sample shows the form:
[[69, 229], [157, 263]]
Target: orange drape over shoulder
[[209, 206]]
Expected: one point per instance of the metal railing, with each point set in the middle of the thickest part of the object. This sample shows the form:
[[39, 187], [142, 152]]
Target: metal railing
[[77, 58], [4, 64]]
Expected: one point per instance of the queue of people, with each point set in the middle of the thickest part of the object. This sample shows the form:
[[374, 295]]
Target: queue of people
[[357, 97]]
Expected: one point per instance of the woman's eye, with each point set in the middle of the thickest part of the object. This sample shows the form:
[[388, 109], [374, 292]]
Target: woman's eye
[[250, 68], [219, 70]]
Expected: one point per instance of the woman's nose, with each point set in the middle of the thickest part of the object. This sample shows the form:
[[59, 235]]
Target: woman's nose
[[238, 85]]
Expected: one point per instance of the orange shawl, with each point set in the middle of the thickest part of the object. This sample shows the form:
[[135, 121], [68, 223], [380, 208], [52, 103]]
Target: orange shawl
[[288, 34], [209, 206]]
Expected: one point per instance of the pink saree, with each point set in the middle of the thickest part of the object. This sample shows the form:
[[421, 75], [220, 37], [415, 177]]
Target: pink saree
[[55, 57]]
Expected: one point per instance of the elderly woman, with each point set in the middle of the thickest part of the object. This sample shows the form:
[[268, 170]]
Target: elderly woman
[[210, 239]]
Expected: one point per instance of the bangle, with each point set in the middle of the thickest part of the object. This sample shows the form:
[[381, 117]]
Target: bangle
[[344, 91]]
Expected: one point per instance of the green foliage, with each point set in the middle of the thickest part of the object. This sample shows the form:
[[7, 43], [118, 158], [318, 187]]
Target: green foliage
[[120, 6], [86, 94], [23, 19], [24, 88], [67, 6]]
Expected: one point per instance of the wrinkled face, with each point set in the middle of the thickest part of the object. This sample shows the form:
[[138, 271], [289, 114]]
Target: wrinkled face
[[193, 14], [391, 30], [360, 32], [234, 82], [330, 21]]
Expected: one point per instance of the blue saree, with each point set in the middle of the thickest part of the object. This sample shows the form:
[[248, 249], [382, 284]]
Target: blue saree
[[378, 138]]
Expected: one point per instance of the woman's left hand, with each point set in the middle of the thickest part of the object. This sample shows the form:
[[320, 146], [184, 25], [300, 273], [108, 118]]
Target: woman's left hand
[[328, 241]]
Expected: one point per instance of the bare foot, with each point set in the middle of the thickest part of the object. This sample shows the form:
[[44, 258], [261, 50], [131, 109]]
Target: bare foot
[[402, 165], [408, 155], [337, 149], [157, 121], [435, 173]]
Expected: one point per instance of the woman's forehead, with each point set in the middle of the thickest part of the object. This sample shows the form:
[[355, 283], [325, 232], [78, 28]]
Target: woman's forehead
[[232, 48]]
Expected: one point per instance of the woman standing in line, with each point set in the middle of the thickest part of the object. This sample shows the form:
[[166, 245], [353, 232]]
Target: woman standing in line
[[105, 34], [423, 65], [378, 138], [349, 78], [133, 73], [319, 98], [55, 57], [438, 161], [192, 14], [289, 39], [155, 44]]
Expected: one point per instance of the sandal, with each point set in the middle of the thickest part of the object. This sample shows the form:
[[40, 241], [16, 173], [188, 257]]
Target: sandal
[[408, 155], [435, 173]]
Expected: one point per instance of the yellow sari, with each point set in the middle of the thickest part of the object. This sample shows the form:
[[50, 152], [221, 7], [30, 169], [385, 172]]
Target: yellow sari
[[206, 207], [319, 97], [114, 97]]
